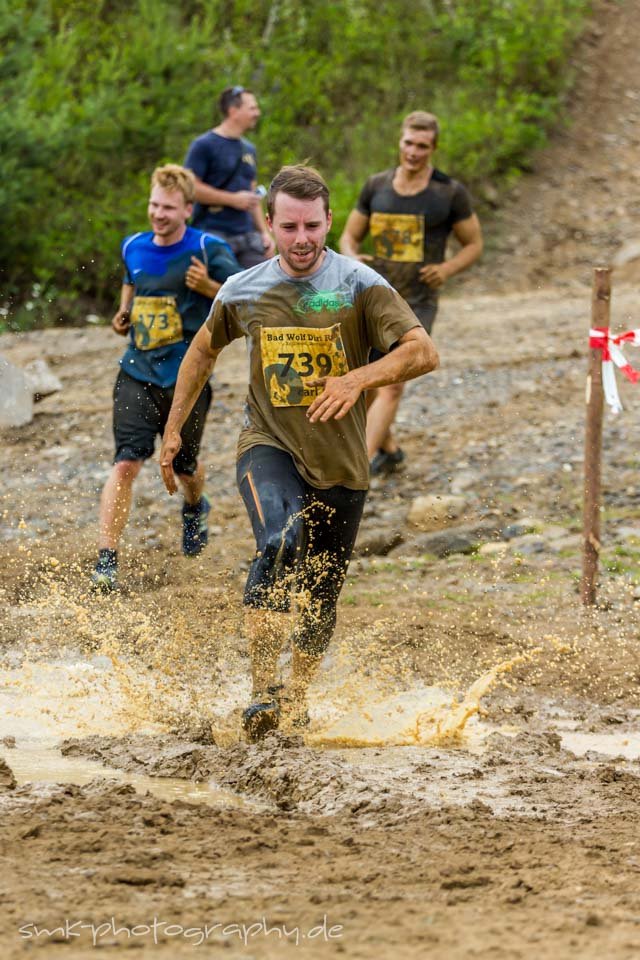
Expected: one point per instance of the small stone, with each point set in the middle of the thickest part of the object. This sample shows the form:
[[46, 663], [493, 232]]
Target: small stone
[[528, 544], [16, 398], [519, 529], [378, 543], [463, 538], [435, 511], [41, 379], [493, 549]]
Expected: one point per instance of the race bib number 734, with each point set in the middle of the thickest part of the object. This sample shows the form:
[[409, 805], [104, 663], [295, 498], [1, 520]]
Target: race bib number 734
[[294, 356]]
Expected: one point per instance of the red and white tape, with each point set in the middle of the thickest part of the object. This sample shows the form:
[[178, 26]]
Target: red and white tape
[[601, 338]]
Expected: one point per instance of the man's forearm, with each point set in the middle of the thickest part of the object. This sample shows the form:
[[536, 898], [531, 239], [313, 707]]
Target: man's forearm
[[211, 288], [407, 361], [463, 258], [413, 356], [195, 370], [348, 246], [126, 296], [211, 196]]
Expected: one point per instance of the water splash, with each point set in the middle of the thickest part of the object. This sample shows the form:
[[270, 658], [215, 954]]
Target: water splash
[[426, 716]]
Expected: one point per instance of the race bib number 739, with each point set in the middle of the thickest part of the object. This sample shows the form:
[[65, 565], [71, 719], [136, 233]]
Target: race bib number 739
[[294, 356]]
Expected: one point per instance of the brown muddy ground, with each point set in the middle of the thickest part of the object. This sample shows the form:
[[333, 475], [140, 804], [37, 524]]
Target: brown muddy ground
[[518, 841], [518, 838]]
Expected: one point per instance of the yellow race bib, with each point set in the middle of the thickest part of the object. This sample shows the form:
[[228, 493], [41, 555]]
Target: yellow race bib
[[398, 236], [156, 322], [292, 356]]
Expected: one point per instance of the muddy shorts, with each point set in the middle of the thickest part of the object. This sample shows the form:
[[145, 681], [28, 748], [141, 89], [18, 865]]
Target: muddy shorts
[[426, 314], [304, 540], [140, 412]]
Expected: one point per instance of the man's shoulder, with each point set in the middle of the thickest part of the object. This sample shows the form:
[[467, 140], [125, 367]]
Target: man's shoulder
[[381, 179], [204, 139], [456, 191], [196, 238], [212, 241], [358, 276], [136, 241], [439, 176], [248, 284]]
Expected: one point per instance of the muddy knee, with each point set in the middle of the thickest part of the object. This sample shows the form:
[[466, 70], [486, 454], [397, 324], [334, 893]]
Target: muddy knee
[[269, 584]]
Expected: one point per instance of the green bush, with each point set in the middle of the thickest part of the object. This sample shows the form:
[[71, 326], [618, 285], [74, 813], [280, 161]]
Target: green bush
[[98, 93]]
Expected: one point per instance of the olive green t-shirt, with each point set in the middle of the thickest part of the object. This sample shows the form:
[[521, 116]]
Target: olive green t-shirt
[[298, 329]]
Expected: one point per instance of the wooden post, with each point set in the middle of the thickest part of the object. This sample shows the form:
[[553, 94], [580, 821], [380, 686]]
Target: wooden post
[[600, 317]]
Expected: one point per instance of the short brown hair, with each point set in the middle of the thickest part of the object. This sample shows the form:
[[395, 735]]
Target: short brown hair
[[299, 181], [421, 120], [174, 177]]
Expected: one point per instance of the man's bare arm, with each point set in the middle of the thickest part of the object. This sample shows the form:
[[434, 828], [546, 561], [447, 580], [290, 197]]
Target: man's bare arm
[[468, 233], [195, 370], [121, 320], [197, 278], [212, 197], [415, 355], [355, 230]]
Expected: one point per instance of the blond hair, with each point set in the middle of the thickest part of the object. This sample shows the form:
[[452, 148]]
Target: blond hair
[[174, 177]]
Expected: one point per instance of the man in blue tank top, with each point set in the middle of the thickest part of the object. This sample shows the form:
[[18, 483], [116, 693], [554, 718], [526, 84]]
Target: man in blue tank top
[[171, 275], [224, 164]]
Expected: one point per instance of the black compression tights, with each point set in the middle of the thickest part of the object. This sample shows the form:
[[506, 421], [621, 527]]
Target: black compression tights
[[304, 539]]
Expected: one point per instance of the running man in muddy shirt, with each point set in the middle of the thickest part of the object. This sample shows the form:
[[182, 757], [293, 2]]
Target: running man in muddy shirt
[[409, 211], [310, 317], [171, 274]]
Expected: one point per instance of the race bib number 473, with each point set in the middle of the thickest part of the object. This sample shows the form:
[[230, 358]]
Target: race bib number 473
[[292, 357], [156, 322]]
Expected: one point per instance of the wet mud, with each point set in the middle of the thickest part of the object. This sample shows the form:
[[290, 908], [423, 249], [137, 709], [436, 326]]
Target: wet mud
[[469, 785]]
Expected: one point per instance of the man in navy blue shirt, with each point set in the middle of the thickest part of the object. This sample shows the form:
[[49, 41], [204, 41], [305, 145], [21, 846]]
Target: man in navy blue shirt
[[224, 164], [171, 275]]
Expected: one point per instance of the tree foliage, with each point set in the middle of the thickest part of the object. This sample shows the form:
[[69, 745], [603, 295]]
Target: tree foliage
[[98, 92]]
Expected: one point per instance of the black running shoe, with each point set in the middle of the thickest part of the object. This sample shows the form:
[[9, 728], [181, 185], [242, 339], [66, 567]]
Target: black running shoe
[[385, 463], [104, 578], [195, 526], [260, 718]]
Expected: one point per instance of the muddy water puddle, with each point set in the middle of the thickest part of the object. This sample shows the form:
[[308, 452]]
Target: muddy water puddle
[[39, 763], [424, 743], [625, 745], [45, 702]]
